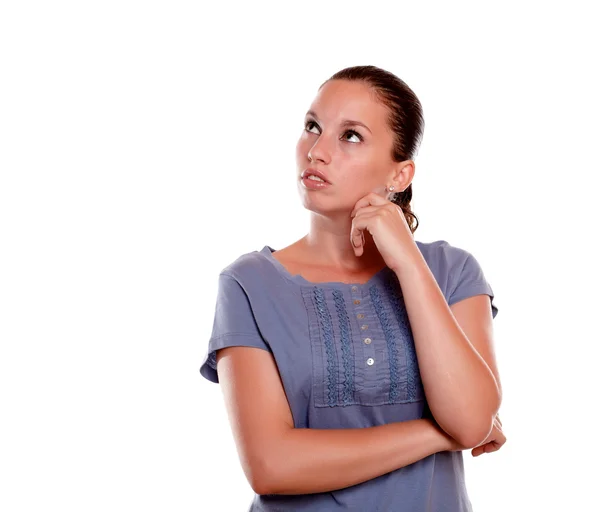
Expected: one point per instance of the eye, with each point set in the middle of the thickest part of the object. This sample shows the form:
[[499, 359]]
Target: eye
[[308, 125], [352, 132]]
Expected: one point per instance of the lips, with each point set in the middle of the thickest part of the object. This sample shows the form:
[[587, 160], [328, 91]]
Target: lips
[[314, 172]]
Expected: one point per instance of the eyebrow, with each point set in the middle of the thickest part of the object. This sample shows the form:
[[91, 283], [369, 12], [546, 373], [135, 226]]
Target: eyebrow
[[345, 122]]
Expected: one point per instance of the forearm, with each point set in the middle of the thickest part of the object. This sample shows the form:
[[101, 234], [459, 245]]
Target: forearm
[[460, 387], [320, 460]]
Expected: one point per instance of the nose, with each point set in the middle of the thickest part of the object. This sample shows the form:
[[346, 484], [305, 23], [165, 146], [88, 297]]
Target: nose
[[319, 151]]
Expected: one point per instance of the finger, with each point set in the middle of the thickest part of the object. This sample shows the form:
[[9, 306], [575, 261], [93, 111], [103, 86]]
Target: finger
[[484, 448], [371, 199], [357, 237], [359, 224], [365, 209], [492, 447], [476, 452], [358, 241], [496, 444]]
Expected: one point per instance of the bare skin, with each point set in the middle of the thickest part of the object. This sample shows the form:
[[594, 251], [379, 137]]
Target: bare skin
[[297, 258]]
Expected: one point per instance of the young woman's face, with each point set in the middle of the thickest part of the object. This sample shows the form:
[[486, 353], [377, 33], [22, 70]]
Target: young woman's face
[[355, 159]]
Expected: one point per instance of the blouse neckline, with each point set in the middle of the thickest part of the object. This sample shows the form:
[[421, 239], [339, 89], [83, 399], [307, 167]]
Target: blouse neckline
[[267, 251]]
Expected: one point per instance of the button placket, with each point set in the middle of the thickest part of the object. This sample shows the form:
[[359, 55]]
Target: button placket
[[368, 358]]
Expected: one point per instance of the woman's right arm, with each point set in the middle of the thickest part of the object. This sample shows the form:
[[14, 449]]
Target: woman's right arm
[[280, 459]]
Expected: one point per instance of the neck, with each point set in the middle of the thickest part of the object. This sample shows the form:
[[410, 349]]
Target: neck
[[328, 242]]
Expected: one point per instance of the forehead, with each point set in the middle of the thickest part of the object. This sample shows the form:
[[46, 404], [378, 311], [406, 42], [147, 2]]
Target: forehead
[[343, 99]]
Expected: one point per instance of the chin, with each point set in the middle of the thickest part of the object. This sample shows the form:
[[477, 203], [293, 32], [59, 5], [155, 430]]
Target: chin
[[321, 205]]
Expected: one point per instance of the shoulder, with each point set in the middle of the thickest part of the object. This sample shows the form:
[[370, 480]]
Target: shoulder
[[446, 262], [443, 255], [457, 271], [243, 264], [251, 268]]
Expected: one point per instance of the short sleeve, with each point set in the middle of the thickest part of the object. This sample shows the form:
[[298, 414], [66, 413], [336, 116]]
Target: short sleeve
[[469, 280], [234, 324]]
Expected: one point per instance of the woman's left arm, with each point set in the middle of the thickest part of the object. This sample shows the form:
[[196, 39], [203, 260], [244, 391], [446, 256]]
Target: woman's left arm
[[454, 346], [453, 343]]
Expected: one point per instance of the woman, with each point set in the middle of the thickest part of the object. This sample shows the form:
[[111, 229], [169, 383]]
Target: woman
[[376, 365]]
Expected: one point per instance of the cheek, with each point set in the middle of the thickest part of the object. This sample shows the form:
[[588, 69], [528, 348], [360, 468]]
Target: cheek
[[360, 178], [358, 169]]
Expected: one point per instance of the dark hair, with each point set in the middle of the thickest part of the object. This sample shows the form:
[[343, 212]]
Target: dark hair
[[405, 120]]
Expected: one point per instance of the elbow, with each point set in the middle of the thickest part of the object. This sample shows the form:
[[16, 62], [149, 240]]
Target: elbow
[[476, 434], [257, 481], [261, 475], [472, 439], [260, 486], [268, 466], [497, 401], [480, 428]]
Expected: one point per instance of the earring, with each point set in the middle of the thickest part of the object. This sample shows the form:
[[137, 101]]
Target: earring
[[390, 188]]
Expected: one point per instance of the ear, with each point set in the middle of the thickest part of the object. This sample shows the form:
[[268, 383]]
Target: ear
[[402, 175]]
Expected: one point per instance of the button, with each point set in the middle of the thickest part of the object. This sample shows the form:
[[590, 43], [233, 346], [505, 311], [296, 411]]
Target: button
[[364, 327], [367, 341], [370, 361], [356, 302], [360, 316], [354, 288]]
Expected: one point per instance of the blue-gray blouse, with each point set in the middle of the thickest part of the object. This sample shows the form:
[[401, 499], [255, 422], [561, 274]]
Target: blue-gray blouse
[[346, 357]]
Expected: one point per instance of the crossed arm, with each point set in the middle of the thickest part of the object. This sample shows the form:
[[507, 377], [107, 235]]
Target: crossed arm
[[460, 378], [454, 346]]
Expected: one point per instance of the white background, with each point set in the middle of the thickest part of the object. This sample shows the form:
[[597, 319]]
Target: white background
[[146, 145]]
